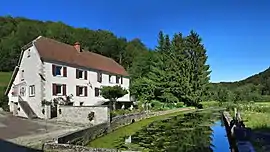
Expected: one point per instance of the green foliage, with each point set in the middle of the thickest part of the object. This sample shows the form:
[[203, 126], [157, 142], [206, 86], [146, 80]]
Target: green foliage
[[175, 72], [255, 88], [4, 102], [113, 93]]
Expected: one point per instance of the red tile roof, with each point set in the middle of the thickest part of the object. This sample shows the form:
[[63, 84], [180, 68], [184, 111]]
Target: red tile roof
[[53, 50]]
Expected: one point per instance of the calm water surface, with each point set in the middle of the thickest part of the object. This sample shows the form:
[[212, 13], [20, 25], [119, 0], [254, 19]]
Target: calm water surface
[[193, 132]]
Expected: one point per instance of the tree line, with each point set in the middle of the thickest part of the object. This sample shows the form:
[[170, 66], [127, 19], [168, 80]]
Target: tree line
[[175, 71], [254, 88]]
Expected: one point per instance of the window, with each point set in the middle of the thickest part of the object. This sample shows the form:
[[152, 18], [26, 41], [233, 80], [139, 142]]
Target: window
[[59, 89], [81, 91], [22, 90], [117, 79], [97, 92], [32, 90], [99, 77], [110, 78], [22, 75], [59, 70], [80, 74]]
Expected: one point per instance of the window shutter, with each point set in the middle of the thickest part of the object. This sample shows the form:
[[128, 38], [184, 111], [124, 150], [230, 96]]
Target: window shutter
[[121, 80], [54, 89], [117, 79], [64, 89], [100, 77], [77, 74], [77, 90], [85, 91], [65, 71], [96, 92], [85, 75], [53, 70]]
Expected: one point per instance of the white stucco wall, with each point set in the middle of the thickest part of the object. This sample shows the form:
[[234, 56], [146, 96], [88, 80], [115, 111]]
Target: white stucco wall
[[71, 83], [80, 114], [31, 66]]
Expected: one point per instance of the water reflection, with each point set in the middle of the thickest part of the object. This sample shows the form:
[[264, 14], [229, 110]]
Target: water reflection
[[184, 133]]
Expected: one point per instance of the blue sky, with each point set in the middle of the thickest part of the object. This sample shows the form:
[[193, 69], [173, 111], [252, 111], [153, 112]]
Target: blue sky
[[236, 33]]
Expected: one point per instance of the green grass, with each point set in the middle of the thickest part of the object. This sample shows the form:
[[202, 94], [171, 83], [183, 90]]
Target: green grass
[[4, 80], [111, 140]]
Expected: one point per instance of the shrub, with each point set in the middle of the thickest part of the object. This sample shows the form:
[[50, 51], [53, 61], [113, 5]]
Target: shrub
[[4, 102], [180, 104]]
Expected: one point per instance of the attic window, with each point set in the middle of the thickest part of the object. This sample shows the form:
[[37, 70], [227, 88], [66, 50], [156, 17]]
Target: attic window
[[28, 53]]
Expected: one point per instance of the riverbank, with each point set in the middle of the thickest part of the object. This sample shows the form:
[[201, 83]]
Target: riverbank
[[111, 140], [256, 116]]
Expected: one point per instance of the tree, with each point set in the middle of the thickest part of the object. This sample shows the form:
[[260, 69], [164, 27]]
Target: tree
[[113, 93]]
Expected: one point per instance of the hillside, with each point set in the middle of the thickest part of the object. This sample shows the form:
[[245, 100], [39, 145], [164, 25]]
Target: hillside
[[17, 32], [4, 79], [254, 87]]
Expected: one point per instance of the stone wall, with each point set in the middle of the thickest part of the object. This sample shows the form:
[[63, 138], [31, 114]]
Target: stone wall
[[74, 148], [86, 135], [235, 139], [80, 114]]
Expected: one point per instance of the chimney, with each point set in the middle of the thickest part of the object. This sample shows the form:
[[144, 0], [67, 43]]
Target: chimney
[[78, 47]]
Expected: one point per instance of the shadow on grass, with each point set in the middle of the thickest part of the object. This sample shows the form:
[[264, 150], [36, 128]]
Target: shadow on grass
[[260, 138], [6, 146]]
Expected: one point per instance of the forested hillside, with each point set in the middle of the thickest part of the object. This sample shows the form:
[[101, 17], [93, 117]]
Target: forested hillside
[[174, 72], [253, 88]]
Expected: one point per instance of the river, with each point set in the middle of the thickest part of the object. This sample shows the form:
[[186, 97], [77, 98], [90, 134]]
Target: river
[[193, 132]]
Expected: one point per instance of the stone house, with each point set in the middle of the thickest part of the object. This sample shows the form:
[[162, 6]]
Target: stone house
[[48, 69]]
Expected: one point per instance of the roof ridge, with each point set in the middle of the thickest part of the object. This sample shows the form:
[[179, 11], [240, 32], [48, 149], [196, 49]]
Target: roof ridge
[[57, 50]]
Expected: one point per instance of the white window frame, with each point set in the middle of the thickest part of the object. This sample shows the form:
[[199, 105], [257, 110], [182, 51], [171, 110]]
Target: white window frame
[[61, 93], [98, 92], [31, 90], [118, 78], [82, 74], [83, 91], [22, 91], [61, 71], [110, 79]]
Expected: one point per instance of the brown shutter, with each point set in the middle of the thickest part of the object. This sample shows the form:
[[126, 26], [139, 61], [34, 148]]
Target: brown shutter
[[64, 89], [96, 92], [77, 74], [100, 77], [85, 75], [77, 90], [54, 89], [85, 91], [117, 79], [65, 71], [53, 70]]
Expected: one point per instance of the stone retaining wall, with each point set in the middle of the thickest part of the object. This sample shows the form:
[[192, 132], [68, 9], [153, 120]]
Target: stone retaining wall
[[74, 148], [80, 114], [234, 132], [83, 136]]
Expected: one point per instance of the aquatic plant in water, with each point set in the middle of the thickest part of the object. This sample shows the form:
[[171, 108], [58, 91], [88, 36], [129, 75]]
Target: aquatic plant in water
[[189, 133]]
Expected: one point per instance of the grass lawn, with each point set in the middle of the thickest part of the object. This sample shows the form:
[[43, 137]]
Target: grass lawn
[[4, 79], [111, 140]]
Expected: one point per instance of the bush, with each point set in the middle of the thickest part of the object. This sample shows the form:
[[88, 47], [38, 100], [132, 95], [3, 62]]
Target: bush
[[157, 105], [180, 104], [4, 102]]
